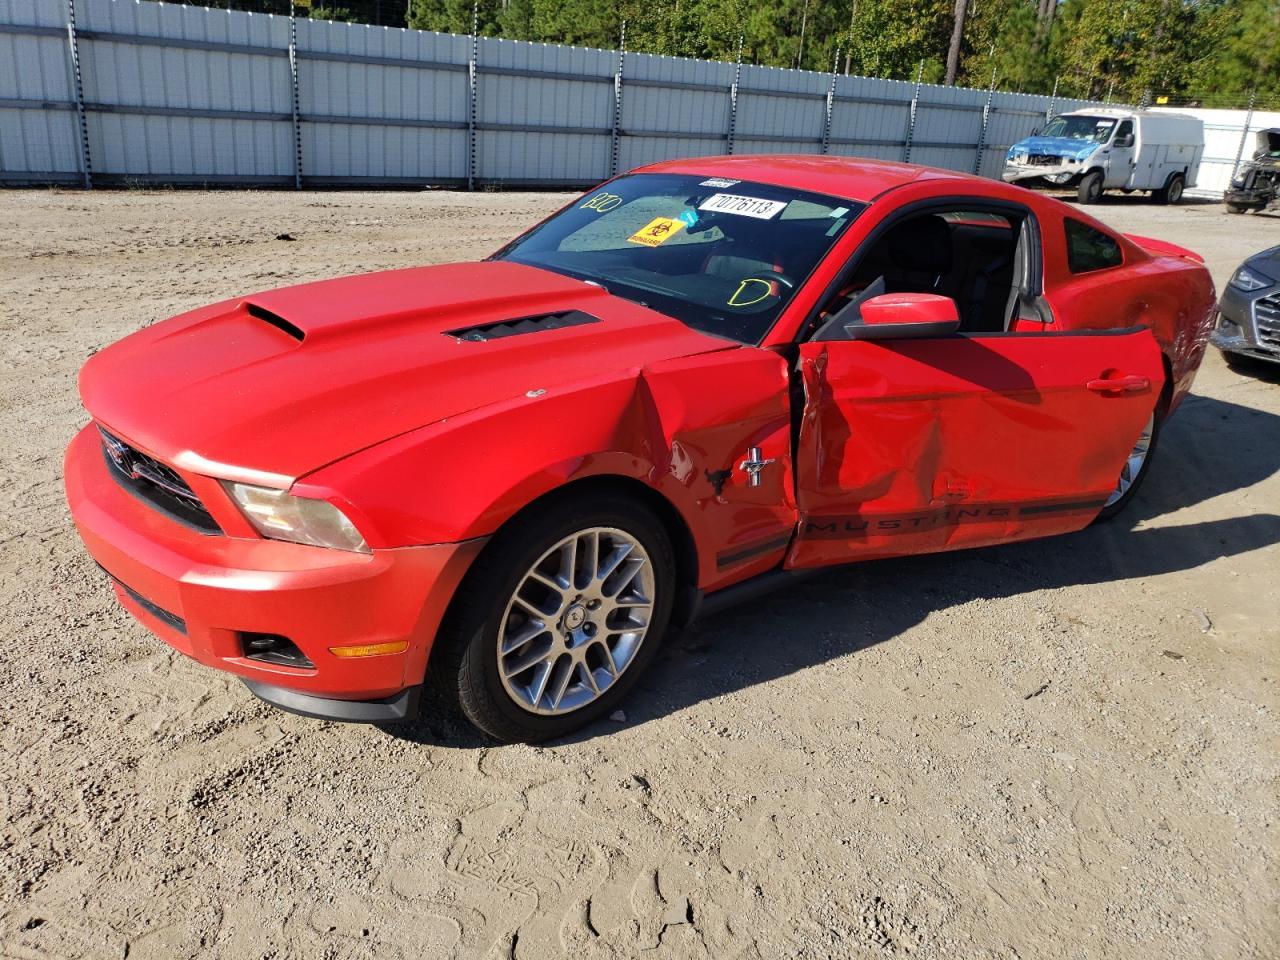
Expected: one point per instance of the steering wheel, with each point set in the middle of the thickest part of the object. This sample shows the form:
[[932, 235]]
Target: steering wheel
[[770, 276]]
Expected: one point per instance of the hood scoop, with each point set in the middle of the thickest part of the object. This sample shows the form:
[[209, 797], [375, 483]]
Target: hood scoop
[[275, 320], [514, 328]]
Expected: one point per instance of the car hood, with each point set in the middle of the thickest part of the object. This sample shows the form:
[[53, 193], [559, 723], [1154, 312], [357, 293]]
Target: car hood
[[1268, 261], [274, 385], [1053, 147]]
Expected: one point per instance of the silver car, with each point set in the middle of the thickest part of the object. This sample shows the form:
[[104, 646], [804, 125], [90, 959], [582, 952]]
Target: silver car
[[1249, 311]]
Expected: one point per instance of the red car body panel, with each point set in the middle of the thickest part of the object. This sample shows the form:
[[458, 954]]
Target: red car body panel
[[354, 391], [918, 446]]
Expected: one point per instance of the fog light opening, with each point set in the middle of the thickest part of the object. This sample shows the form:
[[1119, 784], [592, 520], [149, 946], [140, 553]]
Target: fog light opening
[[273, 648]]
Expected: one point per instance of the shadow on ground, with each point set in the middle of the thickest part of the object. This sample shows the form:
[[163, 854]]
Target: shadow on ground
[[1209, 449]]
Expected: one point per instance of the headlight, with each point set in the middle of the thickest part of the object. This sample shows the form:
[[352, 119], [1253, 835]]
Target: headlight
[[278, 515], [1250, 280]]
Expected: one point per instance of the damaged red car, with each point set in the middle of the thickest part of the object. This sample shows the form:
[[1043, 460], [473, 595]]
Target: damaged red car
[[511, 478]]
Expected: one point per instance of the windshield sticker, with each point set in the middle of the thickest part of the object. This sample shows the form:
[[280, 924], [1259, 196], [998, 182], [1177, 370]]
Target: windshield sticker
[[689, 218], [656, 232], [719, 183], [743, 206], [602, 202], [747, 295], [838, 212]]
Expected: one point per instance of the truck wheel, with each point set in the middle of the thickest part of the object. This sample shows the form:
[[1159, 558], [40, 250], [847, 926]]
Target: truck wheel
[[1090, 188], [1237, 208], [1172, 191], [558, 618]]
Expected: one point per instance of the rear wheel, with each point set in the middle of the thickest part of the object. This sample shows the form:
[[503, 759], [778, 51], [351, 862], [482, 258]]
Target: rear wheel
[[1136, 467], [1172, 192], [559, 617], [1089, 190]]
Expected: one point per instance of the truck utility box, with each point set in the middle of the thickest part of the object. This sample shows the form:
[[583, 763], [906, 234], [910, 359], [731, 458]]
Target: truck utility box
[[1097, 150]]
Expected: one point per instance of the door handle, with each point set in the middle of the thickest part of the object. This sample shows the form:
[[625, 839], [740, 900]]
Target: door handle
[[1129, 384]]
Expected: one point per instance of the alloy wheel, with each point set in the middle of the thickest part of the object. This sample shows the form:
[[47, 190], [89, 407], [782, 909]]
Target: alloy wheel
[[576, 621], [1136, 461]]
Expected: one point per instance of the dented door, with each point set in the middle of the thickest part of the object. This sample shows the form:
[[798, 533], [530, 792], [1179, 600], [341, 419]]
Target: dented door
[[915, 446]]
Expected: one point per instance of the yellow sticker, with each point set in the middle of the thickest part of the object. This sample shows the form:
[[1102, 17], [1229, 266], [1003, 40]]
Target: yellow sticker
[[656, 232]]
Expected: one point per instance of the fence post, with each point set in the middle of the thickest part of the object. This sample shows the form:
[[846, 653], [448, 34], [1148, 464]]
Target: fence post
[[986, 117], [617, 101], [471, 96], [831, 97], [733, 96], [1244, 134], [77, 84], [911, 123], [1053, 100], [293, 83]]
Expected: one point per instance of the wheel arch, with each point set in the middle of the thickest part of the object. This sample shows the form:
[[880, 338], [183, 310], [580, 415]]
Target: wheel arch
[[683, 542]]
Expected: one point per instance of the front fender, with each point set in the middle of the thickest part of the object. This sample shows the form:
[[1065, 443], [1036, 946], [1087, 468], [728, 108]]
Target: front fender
[[677, 426]]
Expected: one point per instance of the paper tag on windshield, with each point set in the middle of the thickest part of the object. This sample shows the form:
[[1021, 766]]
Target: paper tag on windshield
[[743, 206], [719, 182]]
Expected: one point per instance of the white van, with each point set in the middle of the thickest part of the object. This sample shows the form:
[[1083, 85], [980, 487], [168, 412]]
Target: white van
[[1096, 150]]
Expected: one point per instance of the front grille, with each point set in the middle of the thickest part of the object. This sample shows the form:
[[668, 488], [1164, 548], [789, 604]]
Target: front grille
[[158, 485], [1044, 159], [1267, 313]]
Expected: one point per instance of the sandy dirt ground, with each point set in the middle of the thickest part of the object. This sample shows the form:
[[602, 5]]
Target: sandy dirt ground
[[1065, 748]]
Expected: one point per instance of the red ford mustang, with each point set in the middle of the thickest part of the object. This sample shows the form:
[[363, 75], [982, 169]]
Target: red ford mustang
[[690, 384]]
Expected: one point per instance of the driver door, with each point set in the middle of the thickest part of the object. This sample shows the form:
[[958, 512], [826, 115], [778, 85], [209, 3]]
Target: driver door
[[1123, 151], [922, 445]]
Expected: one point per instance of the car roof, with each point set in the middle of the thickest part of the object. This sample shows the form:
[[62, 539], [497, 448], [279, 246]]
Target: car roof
[[850, 178]]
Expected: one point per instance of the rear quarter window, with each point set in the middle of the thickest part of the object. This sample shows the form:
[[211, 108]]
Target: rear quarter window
[[1090, 249]]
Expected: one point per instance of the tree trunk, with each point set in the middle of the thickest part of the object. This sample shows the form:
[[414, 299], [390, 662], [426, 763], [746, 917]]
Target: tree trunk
[[957, 34]]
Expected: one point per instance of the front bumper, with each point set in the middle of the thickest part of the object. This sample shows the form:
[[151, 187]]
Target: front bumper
[[1058, 174], [1241, 331], [201, 593]]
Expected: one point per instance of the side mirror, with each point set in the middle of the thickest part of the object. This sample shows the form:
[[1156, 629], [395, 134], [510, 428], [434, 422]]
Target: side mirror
[[1035, 131], [1125, 141], [904, 316]]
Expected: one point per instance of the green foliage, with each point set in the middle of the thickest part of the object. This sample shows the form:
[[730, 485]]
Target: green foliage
[[1207, 51]]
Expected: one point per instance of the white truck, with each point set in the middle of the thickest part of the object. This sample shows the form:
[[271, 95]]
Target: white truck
[[1102, 149]]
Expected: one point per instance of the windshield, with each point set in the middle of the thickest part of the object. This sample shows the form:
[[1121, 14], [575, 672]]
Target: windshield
[[723, 256], [1097, 129]]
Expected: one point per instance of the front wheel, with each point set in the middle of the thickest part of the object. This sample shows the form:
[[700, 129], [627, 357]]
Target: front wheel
[[1089, 190], [1237, 207], [559, 617]]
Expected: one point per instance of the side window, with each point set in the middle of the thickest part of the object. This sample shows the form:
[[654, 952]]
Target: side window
[[970, 254], [1090, 249], [1125, 129]]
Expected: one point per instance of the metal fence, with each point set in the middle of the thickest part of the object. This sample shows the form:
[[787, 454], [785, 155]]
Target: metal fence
[[109, 92]]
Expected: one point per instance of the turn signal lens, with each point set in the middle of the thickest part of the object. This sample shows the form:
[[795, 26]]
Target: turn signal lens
[[278, 515], [371, 649]]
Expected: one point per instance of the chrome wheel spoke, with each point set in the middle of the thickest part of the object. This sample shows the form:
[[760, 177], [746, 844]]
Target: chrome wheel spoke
[[576, 621], [1133, 465]]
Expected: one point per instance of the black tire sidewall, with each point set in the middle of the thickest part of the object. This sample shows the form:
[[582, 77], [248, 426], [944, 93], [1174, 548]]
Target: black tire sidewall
[[1086, 192], [1173, 192], [481, 695]]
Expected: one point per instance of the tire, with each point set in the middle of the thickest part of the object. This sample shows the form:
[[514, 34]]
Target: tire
[[467, 665], [1237, 208], [1089, 189], [1125, 495], [1171, 193]]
